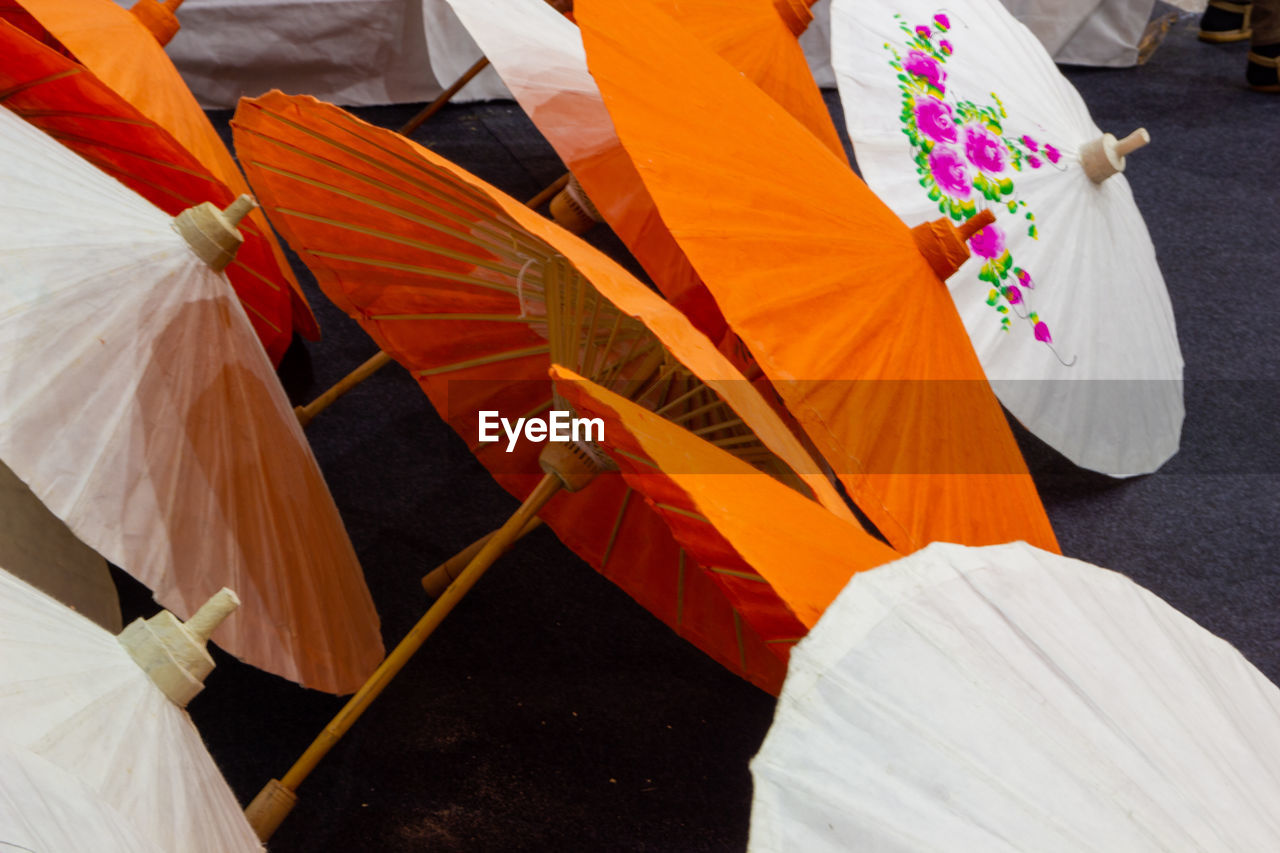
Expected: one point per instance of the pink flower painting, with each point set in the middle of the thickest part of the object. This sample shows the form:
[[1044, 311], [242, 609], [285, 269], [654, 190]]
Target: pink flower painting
[[951, 171], [934, 119], [922, 65], [988, 243], [984, 149]]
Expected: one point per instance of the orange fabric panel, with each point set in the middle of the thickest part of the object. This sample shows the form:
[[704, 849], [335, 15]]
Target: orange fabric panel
[[118, 48], [824, 285], [746, 522]]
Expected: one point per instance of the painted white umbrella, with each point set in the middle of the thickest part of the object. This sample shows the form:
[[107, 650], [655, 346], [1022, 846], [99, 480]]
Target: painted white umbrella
[[109, 711], [957, 109], [42, 807], [1007, 699], [140, 408]]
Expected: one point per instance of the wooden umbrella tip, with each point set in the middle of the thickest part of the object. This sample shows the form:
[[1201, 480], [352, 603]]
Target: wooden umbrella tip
[[1133, 142], [239, 209], [976, 223], [206, 620]]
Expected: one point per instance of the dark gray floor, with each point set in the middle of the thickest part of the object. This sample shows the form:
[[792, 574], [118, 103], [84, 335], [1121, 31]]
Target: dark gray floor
[[551, 713]]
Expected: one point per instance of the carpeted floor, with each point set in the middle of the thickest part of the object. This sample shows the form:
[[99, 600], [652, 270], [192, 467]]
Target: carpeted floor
[[552, 713]]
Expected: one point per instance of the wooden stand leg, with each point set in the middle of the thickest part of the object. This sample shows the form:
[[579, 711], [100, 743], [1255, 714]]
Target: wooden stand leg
[[345, 384], [394, 662], [436, 105], [438, 579]]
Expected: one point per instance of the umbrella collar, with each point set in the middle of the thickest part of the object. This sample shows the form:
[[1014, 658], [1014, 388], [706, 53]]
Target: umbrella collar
[[172, 653]]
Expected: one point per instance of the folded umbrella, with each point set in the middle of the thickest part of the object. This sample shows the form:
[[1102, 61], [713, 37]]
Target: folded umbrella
[[119, 49], [476, 295], [963, 110], [824, 285], [141, 410], [109, 711], [1004, 698]]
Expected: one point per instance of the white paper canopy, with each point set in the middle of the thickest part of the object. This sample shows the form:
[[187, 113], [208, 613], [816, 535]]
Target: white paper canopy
[[1007, 699], [139, 407], [70, 693], [958, 109]]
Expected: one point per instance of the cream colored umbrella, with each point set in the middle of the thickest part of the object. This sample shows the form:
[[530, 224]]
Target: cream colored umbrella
[[139, 407], [1007, 699], [42, 807], [109, 711]]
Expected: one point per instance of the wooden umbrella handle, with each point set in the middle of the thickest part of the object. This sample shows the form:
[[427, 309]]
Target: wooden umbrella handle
[[438, 579], [343, 385], [438, 104], [274, 802]]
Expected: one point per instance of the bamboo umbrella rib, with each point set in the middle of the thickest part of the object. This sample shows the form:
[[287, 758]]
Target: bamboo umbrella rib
[[510, 355], [613, 534], [749, 576], [31, 84], [62, 136], [415, 268], [714, 428], [681, 511], [489, 318], [482, 208], [497, 246], [788, 640], [634, 458], [250, 271], [30, 114], [255, 312], [433, 248]]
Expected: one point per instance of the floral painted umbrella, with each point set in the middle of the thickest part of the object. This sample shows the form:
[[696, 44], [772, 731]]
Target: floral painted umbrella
[[828, 289], [121, 50], [539, 55], [1007, 699], [962, 110]]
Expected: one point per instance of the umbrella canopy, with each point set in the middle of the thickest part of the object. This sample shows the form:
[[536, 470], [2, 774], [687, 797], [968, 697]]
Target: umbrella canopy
[[1004, 698], [140, 409], [75, 695], [475, 294], [692, 483], [45, 808], [963, 111], [71, 104], [825, 286], [539, 55], [119, 49]]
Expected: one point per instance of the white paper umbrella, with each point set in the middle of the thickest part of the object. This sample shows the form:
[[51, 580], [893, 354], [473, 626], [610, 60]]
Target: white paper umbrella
[[1007, 699], [962, 110], [137, 404], [71, 693], [45, 808]]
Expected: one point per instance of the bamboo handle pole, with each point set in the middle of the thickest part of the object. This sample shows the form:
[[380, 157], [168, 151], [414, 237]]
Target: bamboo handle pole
[[345, 384], [555, 187], [438, 104], [438, 579], [264, 824]]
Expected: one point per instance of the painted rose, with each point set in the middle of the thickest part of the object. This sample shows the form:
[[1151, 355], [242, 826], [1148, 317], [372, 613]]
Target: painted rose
[[945, 47], [923, 31], [933, 118], [1042, 333], [1013, 294], [1031, 144], [1024, 278], [921, 64], [942, 22], [984, 150], [950, 171], [1033, 161], [988, 243], [1052, 153]]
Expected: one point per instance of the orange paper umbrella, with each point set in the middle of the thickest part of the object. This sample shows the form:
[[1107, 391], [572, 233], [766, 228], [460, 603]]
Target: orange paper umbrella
[[118, 48], [780, 560], [476, 294], [827, 288], [539, 55]]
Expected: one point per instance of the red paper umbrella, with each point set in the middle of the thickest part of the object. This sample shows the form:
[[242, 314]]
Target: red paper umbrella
[[136, 82]]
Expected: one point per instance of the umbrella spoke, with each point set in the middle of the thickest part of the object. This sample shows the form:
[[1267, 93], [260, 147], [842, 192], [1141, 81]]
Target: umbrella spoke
[[495, 358]]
